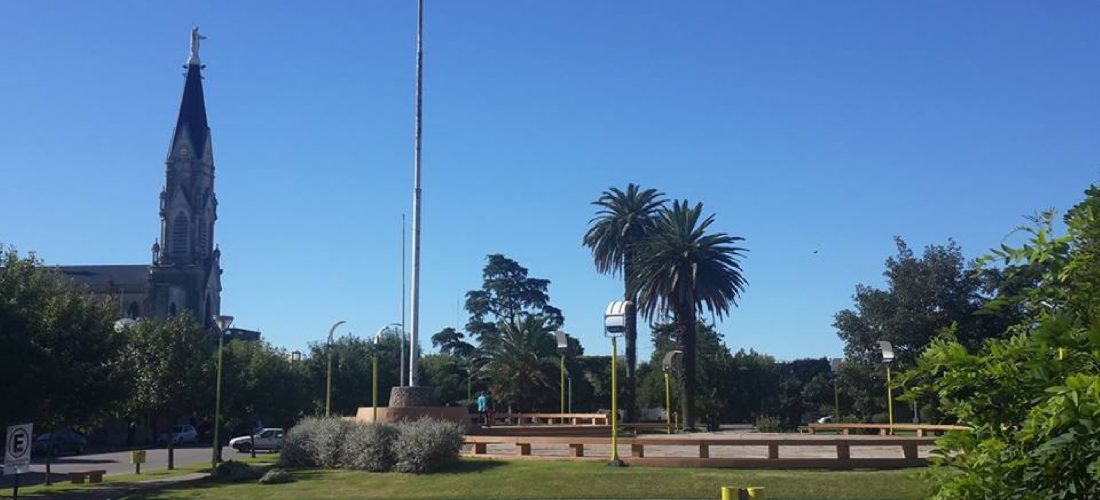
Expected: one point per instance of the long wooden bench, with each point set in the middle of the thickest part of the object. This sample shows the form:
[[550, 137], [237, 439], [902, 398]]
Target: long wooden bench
[[549, 418], [883, 429], [93, 476], [908, 446]]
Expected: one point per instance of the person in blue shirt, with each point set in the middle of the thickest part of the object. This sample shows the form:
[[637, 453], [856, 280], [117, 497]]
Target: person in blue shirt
[[482, 407]]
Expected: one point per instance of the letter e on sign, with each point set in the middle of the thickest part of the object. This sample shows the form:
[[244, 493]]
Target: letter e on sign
[[17, 447]]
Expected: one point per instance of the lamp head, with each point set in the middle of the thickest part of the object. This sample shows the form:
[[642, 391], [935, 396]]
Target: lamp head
[[124, 323], [562, 338], [223, 322], [666, 363], [614, 318], [887, 351], [333, 330]]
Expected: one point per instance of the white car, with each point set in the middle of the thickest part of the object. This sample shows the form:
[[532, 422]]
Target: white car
[[270, 438], [181, 434]]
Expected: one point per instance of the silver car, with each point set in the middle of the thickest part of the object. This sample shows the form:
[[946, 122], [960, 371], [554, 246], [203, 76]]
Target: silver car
[[270, 438]]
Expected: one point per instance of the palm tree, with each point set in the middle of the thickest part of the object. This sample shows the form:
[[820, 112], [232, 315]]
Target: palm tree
[[683, 270], [521, 362], [624, 220]]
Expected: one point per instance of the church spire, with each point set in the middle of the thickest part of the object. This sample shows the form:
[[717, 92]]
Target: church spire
[[192, 116]]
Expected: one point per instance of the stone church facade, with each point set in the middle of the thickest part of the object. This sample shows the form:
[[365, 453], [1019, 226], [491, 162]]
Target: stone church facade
[[184, 273]]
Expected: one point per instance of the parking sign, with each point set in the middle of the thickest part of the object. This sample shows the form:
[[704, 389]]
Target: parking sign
[[17, 449]]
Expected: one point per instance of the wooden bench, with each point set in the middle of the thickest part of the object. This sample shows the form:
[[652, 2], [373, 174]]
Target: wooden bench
[[93, 476], [548, 418], [909, 447], [884, 429]]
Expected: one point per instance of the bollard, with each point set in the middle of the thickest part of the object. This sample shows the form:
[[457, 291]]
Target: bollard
[[752, 493]]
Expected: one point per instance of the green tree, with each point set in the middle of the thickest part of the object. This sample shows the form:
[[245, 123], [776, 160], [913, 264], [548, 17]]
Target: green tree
[[352, 372], [1033, 397], [521, 358], [508, 296], [261, 382], [623, 220], [683, 270], [59, 357], [924, 296], [171, 363]]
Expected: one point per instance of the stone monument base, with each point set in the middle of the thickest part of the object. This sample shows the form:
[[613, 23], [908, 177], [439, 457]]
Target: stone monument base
[[413, 403]]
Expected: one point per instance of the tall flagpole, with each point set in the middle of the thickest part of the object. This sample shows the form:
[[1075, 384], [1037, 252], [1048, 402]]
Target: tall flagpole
[[401, 336], [413, 339]]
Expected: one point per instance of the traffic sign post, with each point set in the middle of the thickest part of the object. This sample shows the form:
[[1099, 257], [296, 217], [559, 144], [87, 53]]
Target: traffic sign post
[[17, 452]]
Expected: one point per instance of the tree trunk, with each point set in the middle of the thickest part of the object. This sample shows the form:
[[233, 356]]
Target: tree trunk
[[631, 337], [685, 320]]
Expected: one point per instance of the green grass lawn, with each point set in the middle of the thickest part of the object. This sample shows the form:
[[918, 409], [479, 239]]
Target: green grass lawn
[[489, 479]]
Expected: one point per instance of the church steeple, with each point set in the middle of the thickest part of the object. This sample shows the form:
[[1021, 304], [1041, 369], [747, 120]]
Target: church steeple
[[188, 206], [191, 124], [186, 273]]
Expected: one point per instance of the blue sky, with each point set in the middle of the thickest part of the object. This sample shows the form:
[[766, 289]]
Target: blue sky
[[828, 126]]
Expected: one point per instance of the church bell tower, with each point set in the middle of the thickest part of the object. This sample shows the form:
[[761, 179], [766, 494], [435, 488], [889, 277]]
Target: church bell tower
[[186, 274]]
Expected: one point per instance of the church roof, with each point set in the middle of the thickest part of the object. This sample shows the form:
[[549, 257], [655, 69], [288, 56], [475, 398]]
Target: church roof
[[192, 117], [101, 277]]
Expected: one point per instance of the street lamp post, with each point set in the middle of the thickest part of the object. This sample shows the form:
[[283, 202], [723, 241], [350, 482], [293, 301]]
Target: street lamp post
[[328, 384], [614, 325], [563, 343], [222, 323], [834, 364], [374, 377], [887, 357], [667, 366]]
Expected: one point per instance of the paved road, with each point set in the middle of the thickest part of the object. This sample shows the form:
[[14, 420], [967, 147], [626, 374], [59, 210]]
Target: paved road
[[114, 463]]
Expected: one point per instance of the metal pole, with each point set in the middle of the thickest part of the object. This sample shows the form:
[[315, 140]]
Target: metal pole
[[562, 387], [570, 394], [401, 337], [836, 398], [416, 194], [614, 406], [890, 399], [328, 383], [374, 383], [668, 407], [216, 453]]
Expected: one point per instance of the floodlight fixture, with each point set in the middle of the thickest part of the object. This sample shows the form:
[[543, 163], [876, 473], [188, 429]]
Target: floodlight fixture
[[614, 318], [887, 351], [562, 338]]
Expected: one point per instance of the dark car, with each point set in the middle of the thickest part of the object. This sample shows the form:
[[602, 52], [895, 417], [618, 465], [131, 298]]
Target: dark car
[[64, 441]]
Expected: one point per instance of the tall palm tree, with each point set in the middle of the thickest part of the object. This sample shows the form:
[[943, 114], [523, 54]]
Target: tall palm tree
[[623, 220], [683, 270]]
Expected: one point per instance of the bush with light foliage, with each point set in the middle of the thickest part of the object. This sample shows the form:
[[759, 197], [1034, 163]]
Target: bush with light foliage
[[1033, 398]]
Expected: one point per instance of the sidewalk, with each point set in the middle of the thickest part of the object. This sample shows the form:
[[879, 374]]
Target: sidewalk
[[115, 490]]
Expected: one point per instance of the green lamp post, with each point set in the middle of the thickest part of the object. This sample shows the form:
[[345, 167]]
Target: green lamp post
[[222, 323]]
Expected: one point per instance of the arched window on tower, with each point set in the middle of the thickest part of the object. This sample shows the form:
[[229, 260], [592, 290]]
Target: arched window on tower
[[204, 236], [135, 310], [172, 309], [179, 236]]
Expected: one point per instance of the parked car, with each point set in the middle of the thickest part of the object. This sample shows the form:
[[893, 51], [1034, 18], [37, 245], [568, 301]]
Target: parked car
[[64, 441], [181, 434], [270, 438]]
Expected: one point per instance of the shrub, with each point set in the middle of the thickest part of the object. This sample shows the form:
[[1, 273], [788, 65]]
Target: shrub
[[768, 424], [426, 445], [327, 443], [234, 471], [370, 447], [276, 476], [297, 448]]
